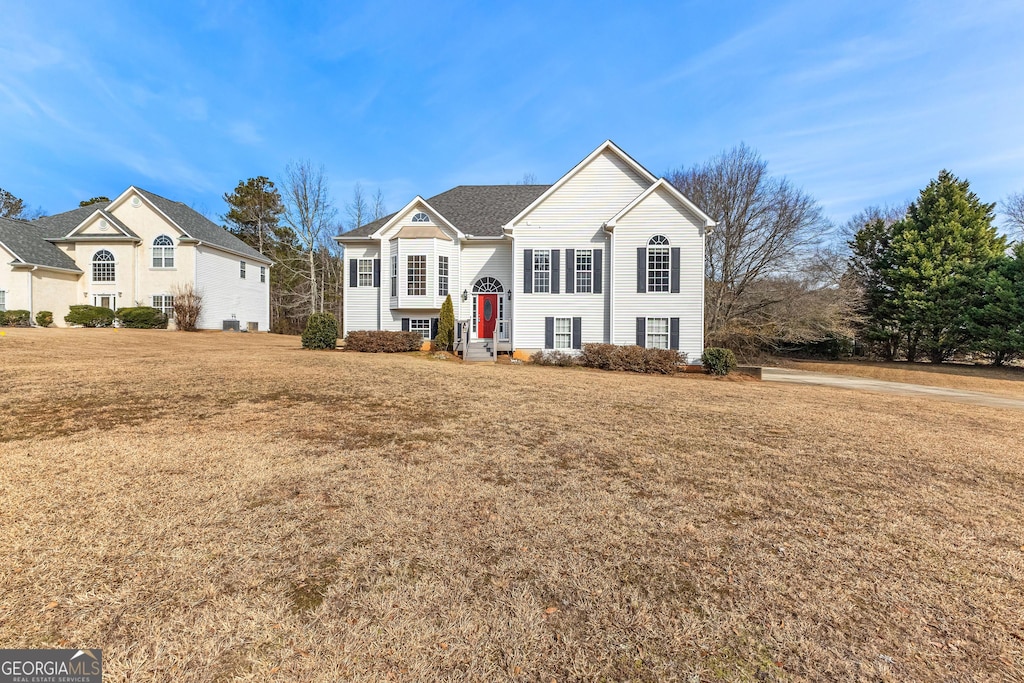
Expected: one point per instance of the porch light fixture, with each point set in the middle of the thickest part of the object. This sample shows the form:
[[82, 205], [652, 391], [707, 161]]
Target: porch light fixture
[[465, 294]]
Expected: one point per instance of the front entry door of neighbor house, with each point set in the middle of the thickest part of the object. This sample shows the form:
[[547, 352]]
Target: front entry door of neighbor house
[[104, 300], [487, 315]]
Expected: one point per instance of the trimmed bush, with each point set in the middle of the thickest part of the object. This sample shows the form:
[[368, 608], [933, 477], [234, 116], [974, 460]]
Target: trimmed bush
[[141, 318], [321, 332], [15, 318], [631, 358], [90, 316], [44, 318], [383, 341], [718, 361], [558, 358]]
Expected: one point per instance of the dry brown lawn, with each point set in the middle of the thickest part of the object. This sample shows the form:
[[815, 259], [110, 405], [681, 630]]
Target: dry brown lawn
[[1005, 381], [228, 507]]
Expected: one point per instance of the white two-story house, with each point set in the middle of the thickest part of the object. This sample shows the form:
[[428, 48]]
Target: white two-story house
[[609, 253], [133, 251]]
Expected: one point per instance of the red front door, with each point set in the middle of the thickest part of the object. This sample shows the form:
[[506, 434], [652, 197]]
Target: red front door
[[486, 315]]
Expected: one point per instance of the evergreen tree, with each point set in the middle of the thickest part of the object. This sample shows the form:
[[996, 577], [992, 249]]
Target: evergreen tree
[[868, 264], [997, 325], [95, 200], [10, 206], [446, 325], [254, 214], [938, 259]]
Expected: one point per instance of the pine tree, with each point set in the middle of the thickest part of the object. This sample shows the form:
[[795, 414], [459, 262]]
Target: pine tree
[[937, 262], [997, 325]]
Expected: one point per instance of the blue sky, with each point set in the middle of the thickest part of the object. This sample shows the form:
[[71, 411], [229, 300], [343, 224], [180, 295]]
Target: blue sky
[[858, 103]]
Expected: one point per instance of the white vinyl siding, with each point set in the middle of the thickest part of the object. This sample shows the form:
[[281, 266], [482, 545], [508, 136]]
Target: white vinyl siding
[[479, 260], [660, 213], [226, 295], [361, 304]]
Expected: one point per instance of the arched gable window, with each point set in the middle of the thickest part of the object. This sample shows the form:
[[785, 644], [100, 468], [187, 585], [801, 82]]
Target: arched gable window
[[420, 218], [163, 252], [103, 266], [658, 264]]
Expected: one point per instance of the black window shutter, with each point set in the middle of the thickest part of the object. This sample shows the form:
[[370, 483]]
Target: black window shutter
[[376, 272], [549, 333], [641, 331], [570, 271], [405, 324], [598, 271], [577, 333], [554, 271], [353, 273], [673, 333], [527, 271], [433, 328], [641, 270], [675, 270]]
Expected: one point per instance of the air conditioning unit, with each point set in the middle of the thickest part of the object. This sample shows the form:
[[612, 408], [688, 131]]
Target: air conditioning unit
[[252, 327], [232, 326]]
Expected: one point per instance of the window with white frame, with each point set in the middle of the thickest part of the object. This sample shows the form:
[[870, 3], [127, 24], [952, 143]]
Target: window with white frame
[[3, 300], [163, 252], [541, 270], [394, 275], [416, 275], [584, 271], [164, 303], [263, 273], [420, 217], [241, 269], [366, 272], [103, 266], [442, 276], [657, 333], [420, 325], [563, 333], [658, 264]]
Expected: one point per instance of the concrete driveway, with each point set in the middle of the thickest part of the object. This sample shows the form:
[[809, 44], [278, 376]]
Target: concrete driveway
[[850, 382]]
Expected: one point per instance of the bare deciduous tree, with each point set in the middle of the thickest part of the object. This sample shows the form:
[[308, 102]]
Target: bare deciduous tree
[[379, 209], [188, 306], [1013, 207], [311, 215], [767, 228]]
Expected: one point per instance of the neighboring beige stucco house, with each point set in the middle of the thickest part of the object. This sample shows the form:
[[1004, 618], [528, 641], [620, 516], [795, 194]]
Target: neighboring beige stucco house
[[133, 251]]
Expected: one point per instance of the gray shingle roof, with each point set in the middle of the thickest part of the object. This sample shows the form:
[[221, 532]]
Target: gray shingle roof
[[477, 210], [61, 224], [200, 227], [28, 241]]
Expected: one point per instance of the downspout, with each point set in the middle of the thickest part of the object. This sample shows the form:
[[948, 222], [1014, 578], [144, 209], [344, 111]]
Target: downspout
[[31, 298]]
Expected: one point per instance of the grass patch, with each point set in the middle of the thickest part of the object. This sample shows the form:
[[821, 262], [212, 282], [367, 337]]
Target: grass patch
[[214, 506]]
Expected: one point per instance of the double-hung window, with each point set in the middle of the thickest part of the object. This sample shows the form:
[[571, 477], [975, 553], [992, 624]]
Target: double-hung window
[[658, 262], [563, 333], [442, 276], [584, 271], [3, 300], [394, 275], [416, 275], [366, 272], [164, 303], [263, 273], [420, 326], [541, 270], [657, 333], [241, 269]]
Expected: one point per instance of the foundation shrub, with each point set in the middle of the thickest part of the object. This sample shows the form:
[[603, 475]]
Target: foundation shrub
[[557, 358], [383, 341], [44, 318], [141, 318], [718, 361], [90, 316], [321, 332]]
